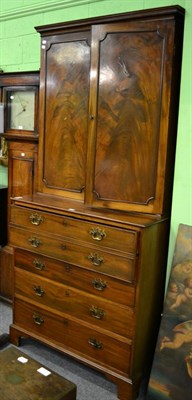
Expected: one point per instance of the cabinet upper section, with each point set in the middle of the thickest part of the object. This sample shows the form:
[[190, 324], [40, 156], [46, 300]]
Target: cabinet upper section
[[109, 95]]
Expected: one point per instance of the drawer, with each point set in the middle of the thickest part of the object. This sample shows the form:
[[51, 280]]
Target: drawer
[[78, 340], [104, 314], [91, 282], [102, 235], [23, 154], [94, 259]]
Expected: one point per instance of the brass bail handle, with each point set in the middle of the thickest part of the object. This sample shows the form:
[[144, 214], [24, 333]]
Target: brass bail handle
[[37, 319], [97, 234], [98, 284], [95, 343], [35, 242], [96, 259], [97, 312], [38, 264], [39, 291], [36, 219]]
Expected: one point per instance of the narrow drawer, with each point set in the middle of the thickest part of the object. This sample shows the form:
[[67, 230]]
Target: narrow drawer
[[75, 339], [23, 154], [91, 282], [69, 301], [94, 259], [102, 235]]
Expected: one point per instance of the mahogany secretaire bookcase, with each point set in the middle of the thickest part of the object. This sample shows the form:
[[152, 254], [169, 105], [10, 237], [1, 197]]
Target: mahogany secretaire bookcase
[[90, 246]]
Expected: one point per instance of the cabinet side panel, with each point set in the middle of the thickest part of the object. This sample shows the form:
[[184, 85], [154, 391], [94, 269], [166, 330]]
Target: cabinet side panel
[[150, 293]]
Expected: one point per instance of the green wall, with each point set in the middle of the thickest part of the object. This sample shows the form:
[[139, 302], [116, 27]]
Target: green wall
[[20, 51]]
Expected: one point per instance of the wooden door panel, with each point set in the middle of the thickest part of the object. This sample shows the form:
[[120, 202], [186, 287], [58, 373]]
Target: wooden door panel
[[133, 64], [22, 177], [128, 116], [66, 108]]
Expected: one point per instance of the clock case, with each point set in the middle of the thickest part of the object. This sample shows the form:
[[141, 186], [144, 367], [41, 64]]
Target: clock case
[[22, 165], [19, 81]]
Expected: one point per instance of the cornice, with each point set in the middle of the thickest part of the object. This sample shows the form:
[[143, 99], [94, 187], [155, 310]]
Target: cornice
[[42, 6]]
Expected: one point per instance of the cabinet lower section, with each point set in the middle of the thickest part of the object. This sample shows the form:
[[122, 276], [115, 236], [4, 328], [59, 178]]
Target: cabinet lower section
[[89, 296]]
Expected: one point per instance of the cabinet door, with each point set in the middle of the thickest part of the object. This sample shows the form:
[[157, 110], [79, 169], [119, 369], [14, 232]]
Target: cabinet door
[[131, 78], [63, 118], [22, 166]]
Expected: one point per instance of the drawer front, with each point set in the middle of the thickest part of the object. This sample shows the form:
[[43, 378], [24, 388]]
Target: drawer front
[[23, 154], [69, 301], [76, 339], [102, 235], [92, 258], [91, 282]]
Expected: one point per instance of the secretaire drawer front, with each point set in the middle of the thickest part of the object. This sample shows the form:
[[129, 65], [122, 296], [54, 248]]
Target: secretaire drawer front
[[74, 338], [101, 313], [98, 234], [94, 259], [91, 282]]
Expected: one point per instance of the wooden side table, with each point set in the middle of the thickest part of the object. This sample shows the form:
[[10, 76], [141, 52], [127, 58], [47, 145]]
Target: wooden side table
[[21, 375]]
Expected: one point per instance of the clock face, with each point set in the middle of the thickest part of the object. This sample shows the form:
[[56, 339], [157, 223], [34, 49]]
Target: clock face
[[21, 109]]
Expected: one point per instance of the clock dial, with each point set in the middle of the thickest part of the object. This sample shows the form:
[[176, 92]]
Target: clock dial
[[21, 109]]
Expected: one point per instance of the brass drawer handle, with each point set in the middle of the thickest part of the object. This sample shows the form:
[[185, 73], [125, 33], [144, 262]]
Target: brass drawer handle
[[34, 242], [37, 319], [38, 264], [36, 219], [96, 259], [98, 284], [38, 291], [96, 312], [94, 343], [97, 234]]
